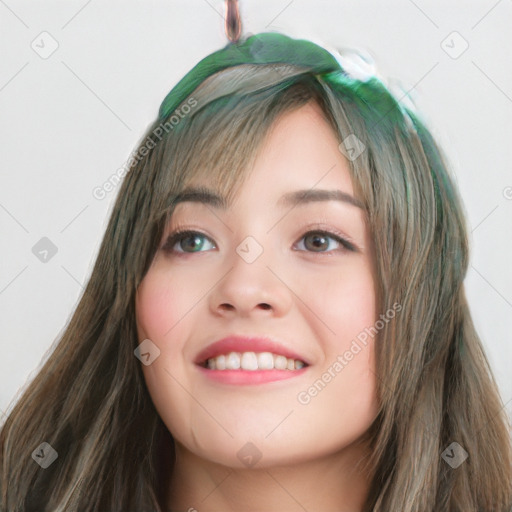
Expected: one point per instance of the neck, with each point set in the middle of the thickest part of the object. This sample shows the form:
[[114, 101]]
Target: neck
[[332, 483]]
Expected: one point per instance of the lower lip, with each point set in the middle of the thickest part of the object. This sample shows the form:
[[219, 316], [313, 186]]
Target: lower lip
[[249, 376]]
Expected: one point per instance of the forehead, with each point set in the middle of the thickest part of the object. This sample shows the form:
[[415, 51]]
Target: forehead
[[299, 159]]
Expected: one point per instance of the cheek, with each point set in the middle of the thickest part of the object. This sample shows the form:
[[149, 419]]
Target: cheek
[[347, 304], [161, 317], [157, 308]]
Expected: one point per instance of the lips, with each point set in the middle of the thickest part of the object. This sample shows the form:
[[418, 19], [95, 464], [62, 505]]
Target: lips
[[242, 344]]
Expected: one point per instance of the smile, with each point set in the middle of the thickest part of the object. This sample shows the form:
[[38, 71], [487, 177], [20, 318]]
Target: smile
[[252, 361], [238, 359]]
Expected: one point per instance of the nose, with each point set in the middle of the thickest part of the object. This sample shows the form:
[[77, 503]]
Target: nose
[[249, 289]]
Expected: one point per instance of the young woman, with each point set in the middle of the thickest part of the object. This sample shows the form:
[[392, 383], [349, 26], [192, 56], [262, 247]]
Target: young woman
[[276, 319]]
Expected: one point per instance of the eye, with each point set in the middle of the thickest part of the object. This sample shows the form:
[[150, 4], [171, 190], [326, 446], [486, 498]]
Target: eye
[[188, 242], [186, 239], [318, 241]]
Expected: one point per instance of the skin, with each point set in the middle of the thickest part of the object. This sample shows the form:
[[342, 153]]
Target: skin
[[316, 299]]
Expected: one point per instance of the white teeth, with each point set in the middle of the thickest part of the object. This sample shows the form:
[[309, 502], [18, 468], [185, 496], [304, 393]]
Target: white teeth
[[253, 361], [220, 362], [265, 361], [233, 361], [249, 361], [280, 363]]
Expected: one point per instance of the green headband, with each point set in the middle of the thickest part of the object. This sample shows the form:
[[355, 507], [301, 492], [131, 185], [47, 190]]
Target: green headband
[[275, 48], [265, 48]]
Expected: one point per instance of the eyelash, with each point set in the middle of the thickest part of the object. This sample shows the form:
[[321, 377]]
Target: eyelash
[[181, 233]]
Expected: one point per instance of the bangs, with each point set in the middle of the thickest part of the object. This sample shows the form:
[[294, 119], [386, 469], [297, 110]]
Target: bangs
[[215, 145]]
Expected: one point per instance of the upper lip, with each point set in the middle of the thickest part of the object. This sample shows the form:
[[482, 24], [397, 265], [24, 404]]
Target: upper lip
[[235, 343]]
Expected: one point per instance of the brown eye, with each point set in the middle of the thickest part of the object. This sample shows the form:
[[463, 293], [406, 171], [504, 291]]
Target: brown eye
[[189, 242], [320, 241]]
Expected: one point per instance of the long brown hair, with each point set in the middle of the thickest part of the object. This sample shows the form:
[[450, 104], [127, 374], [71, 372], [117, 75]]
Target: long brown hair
[[89, 401]]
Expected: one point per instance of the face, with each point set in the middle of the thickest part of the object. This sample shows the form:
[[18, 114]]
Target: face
[[299, 275]]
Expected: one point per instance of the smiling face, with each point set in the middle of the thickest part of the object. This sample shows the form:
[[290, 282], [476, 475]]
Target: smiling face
[[292, 281]]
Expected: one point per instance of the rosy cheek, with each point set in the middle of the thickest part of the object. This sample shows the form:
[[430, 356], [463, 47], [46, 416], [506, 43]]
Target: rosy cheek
[[156, 309]]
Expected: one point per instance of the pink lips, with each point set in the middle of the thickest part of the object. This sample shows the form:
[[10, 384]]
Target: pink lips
[[247, 344], [250, 376]]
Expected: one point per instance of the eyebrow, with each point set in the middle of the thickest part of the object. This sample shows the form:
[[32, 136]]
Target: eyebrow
[[290, 199]]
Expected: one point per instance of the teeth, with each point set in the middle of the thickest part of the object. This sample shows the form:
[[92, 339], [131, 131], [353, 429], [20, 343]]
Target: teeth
[[233, 361], [249, 361], [252, 361], [280, 362], [220, 362], [265, 361]]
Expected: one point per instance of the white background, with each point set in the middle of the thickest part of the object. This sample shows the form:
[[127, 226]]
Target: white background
[[69, 121]]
